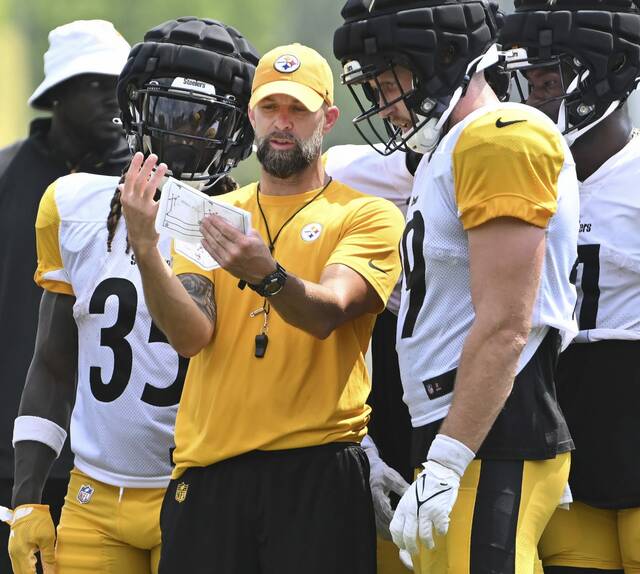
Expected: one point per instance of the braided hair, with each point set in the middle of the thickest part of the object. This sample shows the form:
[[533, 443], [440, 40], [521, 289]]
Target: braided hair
[[115, 213]]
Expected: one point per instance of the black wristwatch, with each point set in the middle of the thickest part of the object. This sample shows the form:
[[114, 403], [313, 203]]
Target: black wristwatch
[[272, 284]]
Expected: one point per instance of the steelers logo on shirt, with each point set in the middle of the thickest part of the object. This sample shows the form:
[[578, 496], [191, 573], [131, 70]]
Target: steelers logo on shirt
[[311, 232]]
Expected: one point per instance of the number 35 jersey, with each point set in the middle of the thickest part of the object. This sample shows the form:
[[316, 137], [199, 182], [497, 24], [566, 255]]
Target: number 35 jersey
[[607, 274], [506, 160], [129, 378]]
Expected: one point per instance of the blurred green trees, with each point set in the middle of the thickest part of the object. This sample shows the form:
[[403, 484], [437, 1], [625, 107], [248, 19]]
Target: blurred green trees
[[25, 24]]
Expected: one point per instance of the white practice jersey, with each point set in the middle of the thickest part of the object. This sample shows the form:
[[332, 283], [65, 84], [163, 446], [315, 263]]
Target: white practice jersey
[[364, 169], [608, 272], [506, 160], [129, 378]]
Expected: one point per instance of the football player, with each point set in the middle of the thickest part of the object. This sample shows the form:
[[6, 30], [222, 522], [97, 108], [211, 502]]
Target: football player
[[82, 64], [183, 95], [388, 443], [486, 301], [581, 61]]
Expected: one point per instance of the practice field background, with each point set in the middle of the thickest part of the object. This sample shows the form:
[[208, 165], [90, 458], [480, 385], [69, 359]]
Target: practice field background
[[24, 25]]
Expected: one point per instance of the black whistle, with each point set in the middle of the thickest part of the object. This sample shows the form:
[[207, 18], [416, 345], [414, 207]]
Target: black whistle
[[261, 345]]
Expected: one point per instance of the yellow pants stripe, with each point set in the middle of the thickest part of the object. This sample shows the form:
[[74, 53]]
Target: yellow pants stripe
[[485, 527], [388, 558]]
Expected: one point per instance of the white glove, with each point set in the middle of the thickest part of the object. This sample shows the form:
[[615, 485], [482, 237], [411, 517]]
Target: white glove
[[32, 531], [406, 560], [382, 479], [430, 499]]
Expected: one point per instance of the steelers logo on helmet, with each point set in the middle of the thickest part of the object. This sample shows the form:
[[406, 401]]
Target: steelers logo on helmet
[[189, 84], [287, 64]]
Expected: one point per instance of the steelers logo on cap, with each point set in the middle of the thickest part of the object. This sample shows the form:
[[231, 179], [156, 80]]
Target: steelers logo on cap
[[287, 64]]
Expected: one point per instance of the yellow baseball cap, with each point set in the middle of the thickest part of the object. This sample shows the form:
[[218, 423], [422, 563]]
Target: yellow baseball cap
[[296, 71]]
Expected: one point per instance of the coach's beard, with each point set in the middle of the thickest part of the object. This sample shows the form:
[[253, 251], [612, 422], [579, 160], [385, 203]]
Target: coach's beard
[[285, 163]]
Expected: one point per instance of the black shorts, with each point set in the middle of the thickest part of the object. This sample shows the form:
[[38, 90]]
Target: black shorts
[[599, 393], [530, 426], [272, 512]]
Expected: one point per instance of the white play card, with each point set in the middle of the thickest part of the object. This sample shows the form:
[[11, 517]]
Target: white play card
[[196, 253], [180, 212]]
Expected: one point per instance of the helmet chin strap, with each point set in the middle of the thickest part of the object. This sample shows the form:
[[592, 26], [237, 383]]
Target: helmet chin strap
[[572, 136], [563, 121], [425, 139]]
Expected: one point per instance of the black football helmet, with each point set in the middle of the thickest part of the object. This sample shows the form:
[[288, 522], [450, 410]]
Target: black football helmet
[[594, 45], [183, 95], [442, 42]]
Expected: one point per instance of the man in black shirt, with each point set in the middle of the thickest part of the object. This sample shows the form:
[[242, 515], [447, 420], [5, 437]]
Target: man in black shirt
[[81, 69]]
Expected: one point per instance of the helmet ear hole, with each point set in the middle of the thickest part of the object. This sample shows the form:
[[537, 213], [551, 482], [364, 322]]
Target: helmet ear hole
[[447, 54], [617, 62]]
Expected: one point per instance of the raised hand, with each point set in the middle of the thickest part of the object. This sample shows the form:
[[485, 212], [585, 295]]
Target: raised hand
[[138, 204]]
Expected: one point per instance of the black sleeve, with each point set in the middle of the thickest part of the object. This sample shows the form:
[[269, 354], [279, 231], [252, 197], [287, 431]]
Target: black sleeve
[[49, 392]]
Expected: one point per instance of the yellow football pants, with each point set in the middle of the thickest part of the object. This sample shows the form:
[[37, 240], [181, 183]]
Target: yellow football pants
[[525, 501], [588, 537], [114, 531], [388, 559]]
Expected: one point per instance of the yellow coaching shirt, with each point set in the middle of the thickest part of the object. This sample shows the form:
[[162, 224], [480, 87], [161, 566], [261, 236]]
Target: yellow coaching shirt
[[305, 391]]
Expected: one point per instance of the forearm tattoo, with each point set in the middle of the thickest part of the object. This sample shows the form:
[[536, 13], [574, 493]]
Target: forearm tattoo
[[202, 292]]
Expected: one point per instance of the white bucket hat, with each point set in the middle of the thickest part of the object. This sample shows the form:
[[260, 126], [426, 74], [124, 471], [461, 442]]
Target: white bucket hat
[[80, 47]]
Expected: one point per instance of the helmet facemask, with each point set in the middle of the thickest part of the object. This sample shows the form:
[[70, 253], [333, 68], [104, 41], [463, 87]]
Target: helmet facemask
[[593, 46], [574, 109], [187, 125], [428, 114], [365, 87]]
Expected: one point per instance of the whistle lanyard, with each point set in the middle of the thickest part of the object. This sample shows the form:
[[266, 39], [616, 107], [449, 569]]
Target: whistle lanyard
[[262, 339], [272, 240]]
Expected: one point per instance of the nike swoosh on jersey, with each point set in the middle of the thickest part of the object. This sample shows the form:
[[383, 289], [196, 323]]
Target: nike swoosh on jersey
[[374, 266], [501, 124]]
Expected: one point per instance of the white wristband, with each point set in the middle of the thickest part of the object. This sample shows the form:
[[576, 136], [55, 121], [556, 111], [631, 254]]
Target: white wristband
[[451, 453], [39, 430]]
